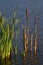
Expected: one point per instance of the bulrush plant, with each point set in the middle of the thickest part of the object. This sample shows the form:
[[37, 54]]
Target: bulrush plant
[[35, 39], [25, 40], [31, 43], [35, 36], [6, 35]]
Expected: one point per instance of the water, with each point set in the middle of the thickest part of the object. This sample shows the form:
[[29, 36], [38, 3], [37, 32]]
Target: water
[[35, 7]]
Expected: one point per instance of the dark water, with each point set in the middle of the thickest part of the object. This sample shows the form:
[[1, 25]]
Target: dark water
[[35, 7]]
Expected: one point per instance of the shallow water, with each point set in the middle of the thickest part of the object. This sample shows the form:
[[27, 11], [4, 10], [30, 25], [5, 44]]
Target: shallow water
[[35, 7]]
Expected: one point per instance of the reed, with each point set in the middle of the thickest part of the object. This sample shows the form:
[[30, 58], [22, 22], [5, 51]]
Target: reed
[[16, 31], [35, 40], [35, 48], [6, 39], [35, 45], [31, 43], [25, 39], [35, 37], [6, 35]]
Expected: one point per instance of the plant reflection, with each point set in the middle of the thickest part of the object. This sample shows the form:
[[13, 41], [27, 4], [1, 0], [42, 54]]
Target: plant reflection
[[6, 62], [35, 58], [30, 57], [25, 59]]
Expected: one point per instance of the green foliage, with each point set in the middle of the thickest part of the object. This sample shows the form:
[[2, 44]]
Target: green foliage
[[6, 34], [5, 37]]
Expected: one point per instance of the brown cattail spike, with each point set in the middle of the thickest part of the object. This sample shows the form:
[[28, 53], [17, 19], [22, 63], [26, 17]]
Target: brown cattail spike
[[26, 13]]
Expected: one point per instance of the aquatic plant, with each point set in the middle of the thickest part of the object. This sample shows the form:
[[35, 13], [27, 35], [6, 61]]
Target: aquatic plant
[[6, 35], [31, 43], [5, 38], [25, 39], [16, 38], [16, 31]]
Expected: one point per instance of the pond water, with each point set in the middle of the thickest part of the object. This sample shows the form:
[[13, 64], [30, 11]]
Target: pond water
[[35, 8]]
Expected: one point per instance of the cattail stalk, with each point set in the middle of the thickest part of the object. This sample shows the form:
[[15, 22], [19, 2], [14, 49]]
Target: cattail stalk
[[35, 45], [25, 39], [35, 40], [35, 48], [35, 37], [31, 43]]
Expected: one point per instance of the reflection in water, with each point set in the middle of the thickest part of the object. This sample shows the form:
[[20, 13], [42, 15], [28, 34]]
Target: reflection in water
[[0, 62], [15, 60], [35, 59], [24, 60], [6, 62], [30, 57]]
